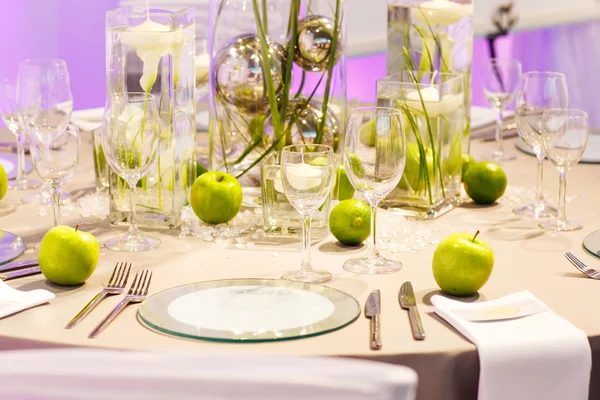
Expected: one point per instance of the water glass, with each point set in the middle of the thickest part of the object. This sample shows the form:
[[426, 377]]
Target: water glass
[[500, 86], [539, 91], [374, 168], [307, 173], [10, 116], [55, 154], [101, 169], [564, 136], [130, 143]]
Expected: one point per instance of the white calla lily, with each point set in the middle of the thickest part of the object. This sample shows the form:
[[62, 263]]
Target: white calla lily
[[441, 12]]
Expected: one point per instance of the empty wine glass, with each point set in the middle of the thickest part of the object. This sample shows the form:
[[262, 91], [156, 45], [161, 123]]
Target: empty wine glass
[[130, 142], [10, 116], [501, 83], [374, 168], [564, 136], [55, 154], [43, 97], [307, 176], [539, 91]]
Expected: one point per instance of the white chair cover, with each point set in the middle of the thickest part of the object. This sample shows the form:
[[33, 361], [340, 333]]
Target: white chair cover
[[92, 374]]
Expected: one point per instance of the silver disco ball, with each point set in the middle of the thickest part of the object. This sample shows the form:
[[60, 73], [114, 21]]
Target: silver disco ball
[[238, 74], [304, 130], [315, 36]]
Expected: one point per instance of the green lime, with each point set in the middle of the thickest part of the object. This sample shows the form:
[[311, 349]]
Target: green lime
[[3, 182], [350, 222], [343, 188], [368, 133], [467, 162], [485, 182], [412, 179], [357, 167]]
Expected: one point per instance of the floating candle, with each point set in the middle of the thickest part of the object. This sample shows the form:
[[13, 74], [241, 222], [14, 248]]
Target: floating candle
[[434, 105], [202, 67], [441, 12]]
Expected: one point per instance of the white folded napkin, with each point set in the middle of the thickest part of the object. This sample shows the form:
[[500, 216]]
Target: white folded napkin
[[13, 300], [540, 356], [88, 120]]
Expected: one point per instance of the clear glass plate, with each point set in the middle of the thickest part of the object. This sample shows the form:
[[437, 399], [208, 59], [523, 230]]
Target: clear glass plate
[[591, 243], [11, 246], [248, 310]]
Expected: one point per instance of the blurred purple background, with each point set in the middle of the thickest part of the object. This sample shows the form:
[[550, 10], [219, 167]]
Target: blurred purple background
[[74, 30]]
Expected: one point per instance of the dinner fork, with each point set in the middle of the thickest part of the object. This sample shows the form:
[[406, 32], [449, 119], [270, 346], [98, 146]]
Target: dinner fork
[[137, 293], [589, 272], [116, 285]]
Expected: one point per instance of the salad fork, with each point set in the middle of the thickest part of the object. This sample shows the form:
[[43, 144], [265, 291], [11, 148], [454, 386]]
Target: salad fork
[[580, 265], [137, 293], [116, 285]]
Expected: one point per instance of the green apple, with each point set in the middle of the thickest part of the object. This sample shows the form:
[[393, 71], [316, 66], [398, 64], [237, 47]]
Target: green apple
[[485, 182], [368, 133], [3, 182], [343, 188], [216, 197], [410, 178], [467, 162], [462, 264], [68, 256]]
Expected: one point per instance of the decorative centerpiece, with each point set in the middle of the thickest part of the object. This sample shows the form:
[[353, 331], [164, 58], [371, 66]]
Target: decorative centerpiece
[[430, 36], [278, 77], [434, 120], [153, 51]]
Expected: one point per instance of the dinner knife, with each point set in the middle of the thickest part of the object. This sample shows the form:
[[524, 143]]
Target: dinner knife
[[406, 296], [18, 264], [372, 311], [20, 273]]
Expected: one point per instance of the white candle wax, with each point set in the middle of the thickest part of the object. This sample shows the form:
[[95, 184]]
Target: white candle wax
[[434, 105]]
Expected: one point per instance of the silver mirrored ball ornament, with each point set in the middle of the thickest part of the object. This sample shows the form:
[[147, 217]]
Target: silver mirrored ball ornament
[[315, 40]]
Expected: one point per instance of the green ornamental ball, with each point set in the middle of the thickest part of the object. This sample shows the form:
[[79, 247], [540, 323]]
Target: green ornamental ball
[[485, 182]]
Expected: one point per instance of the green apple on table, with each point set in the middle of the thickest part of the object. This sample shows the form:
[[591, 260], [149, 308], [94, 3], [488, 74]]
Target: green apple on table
[[3, 182], [216, 197], [68, 256], [462, 264]]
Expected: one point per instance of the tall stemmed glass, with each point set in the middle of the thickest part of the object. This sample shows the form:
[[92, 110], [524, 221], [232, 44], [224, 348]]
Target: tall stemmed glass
[[307, 176], [10, 116], [564, 135], [43, 97], [130, 142], [374, 171], [501, 83], [540, 91], [55, 154]]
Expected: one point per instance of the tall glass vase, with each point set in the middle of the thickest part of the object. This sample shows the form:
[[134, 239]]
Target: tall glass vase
[[278, 77], [429, 36], [432, 105], [153, 51]]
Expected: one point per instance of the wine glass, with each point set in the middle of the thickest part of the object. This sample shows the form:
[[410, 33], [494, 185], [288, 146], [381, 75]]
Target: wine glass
[[10, 116], [374, 170], [539, 92], [43, 97], [501, 83], [130, 142], [564, 136], [55, 154], [307, 176]]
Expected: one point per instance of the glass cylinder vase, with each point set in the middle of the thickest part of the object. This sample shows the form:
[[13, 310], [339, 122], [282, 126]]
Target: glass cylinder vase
[[278, 77], [432, 106], [153, 51], [429, 36]]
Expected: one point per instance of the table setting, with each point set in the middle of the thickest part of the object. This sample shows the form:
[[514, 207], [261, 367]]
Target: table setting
[[407, 231]]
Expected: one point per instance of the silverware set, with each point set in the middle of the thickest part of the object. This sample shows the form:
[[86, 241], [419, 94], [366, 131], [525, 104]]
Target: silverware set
[[406, 298], [116, 285], [19, 269], [582, 267]]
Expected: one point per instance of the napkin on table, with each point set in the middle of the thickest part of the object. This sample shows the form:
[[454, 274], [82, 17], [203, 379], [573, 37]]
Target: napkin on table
[[88, 120], [540, 356], [13, 300]]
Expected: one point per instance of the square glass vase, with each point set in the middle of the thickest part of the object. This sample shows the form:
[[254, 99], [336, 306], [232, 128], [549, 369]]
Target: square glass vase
[[434, 119], [280, 217], [154, 52]]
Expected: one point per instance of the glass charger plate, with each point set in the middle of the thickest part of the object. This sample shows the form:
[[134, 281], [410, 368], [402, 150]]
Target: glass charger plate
[[591, 155], [11, 246], [9, 163], [591, 243], [248, 310]]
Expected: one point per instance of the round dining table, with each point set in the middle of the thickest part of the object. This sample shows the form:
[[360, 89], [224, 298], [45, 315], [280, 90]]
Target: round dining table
[[525, 258]]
